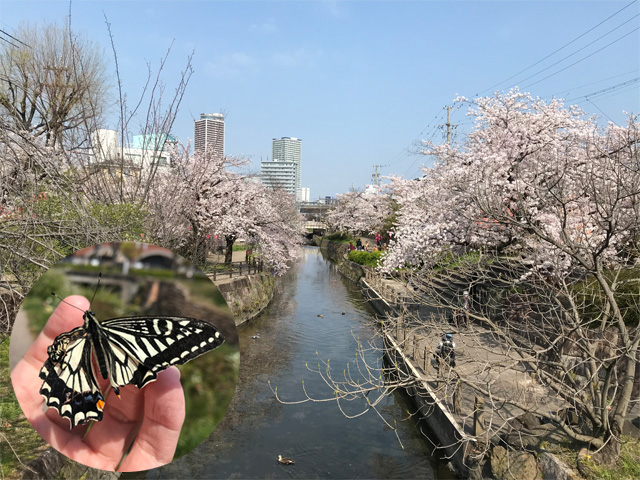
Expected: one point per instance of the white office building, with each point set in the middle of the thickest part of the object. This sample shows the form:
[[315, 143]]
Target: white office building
[[145, 151], [303, 195]]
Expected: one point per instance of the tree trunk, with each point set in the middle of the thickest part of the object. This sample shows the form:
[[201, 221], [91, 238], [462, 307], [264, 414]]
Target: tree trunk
[[611, 451], [198, 246], [228, 255]]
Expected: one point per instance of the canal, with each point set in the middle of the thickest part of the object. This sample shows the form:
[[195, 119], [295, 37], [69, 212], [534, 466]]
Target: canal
[[321, 440]]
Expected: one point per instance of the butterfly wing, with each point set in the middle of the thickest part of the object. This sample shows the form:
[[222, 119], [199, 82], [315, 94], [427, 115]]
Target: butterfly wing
[[69, 383], [137, 348], [132, 350]]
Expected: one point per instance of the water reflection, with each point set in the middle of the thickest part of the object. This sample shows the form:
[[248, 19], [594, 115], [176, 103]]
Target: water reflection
[[323, 443]]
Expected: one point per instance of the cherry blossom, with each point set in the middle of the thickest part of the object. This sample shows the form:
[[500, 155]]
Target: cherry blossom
[[360, 212]]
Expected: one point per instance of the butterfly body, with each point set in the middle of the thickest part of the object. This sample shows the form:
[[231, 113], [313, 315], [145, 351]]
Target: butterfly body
[[127, 350]]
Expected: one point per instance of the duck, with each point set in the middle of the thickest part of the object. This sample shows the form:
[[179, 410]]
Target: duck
[[320, 315], [285, 460], [256, 336]]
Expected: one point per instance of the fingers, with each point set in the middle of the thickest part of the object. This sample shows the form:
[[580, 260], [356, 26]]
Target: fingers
[[121, 421], [158, 410], [25, 375], [164, 413], [26, 381]]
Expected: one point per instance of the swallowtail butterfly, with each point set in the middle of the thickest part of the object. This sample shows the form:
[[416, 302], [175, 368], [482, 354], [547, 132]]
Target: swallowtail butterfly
[[127, 350]]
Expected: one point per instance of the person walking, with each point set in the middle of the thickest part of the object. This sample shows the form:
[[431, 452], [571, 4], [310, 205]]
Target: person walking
[[445, 352]]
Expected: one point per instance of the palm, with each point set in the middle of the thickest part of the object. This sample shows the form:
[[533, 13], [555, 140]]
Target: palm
[[152, 416]]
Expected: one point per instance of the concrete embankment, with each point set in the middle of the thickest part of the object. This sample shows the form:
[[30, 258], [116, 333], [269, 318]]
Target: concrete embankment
[[450, 436], [247, 296], [454, 413]]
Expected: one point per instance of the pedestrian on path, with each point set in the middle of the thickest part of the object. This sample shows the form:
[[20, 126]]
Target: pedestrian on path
[[445, 351]]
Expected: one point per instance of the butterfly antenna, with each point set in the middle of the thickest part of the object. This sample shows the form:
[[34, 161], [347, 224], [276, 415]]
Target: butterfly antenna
[[63, 301], [96, 291]]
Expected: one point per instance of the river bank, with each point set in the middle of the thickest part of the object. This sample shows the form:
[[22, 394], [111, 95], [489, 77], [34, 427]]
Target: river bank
[[458, 416], [315, 315]]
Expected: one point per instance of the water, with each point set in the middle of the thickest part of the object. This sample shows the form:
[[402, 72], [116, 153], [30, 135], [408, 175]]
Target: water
[[323, 443]]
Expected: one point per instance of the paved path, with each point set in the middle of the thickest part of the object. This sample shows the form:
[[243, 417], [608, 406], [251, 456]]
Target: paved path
[[480, 358]]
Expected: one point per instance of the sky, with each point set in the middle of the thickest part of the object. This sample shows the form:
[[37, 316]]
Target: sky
[[360, 82]]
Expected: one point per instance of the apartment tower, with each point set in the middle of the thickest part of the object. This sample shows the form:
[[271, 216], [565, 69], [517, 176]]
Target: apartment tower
[[288, 149], [209, 134]]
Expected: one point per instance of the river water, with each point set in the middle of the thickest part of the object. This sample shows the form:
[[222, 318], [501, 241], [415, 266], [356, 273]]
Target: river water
[[323, 443]]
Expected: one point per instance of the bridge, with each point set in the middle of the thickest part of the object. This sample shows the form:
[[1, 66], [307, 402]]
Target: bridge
[[313, 227]]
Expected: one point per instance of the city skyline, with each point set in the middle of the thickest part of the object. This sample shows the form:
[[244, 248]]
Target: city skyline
[[369, 91]]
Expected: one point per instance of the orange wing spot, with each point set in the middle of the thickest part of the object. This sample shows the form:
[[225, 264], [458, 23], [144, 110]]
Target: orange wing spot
[[100, 404]]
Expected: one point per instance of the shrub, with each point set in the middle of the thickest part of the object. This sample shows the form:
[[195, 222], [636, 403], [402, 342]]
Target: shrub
[[369, 259]]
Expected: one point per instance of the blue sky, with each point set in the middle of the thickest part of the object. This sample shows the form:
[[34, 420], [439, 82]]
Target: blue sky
[[359, 82]]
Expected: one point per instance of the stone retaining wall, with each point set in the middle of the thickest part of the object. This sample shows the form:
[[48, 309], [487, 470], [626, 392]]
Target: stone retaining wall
[[248, 296]]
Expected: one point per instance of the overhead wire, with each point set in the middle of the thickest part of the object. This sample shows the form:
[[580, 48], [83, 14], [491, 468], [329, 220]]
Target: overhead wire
[[557, 50], [580, 49], [606, 90], [565, 93], [13, 38], [582, 59], [411, 167], [603, 93]]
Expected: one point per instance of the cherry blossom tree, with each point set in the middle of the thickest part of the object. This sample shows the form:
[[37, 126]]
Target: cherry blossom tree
[[204, 195], [554, 198], [360, 212]]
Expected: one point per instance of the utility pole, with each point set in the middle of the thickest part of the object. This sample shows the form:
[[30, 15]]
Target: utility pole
[[449, 125], [376, 176]]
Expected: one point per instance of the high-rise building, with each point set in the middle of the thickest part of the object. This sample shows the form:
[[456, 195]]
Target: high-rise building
[[209, 134], [289, 149]]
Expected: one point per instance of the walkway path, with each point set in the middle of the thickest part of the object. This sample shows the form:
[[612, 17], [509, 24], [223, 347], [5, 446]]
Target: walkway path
[[479, 358]]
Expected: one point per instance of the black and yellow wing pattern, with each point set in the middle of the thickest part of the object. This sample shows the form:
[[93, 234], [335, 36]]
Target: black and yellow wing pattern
[[127, 350]]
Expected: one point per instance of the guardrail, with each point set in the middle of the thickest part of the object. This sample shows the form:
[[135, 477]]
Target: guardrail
[[218, 271]]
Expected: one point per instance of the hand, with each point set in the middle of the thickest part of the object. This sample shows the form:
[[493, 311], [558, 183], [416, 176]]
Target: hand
[[153, 416]]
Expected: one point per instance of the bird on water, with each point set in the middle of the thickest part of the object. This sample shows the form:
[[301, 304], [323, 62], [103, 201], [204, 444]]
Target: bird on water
[[285, 460]]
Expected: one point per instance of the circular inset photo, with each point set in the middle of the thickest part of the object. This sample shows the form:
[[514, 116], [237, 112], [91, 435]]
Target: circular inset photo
[[124, 356]]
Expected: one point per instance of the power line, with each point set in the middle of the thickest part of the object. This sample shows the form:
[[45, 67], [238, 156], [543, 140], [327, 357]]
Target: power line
[[593, 83], [583, 58], [556, 51], [411, 167], [608, 89], [13, 38], [9, 42], [406, 149], [580, 49]]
